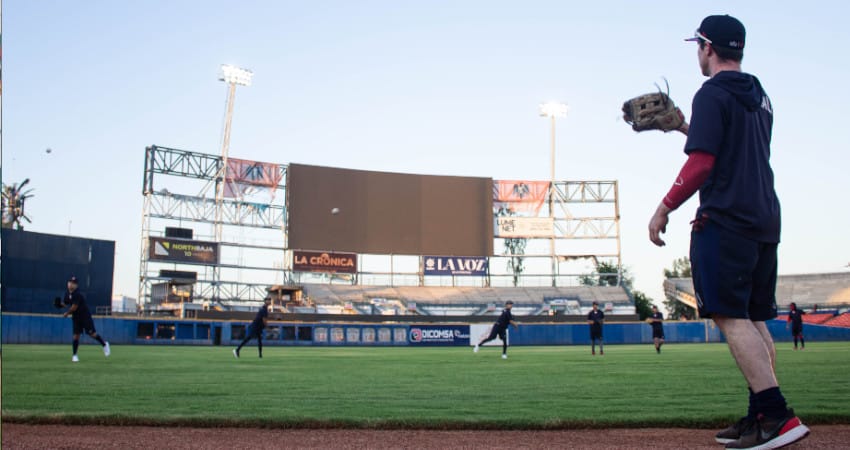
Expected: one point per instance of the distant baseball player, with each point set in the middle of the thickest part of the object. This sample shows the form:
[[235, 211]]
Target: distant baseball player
[[81, 317], [736, 229], [795, 319], [656, 320], [499, 329], [596, 318], [255, 330]]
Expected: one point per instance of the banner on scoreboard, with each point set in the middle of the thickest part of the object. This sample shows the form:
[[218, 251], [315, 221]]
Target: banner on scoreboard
[[524, 227], [455, 265], [303, 261], [245, 177], [519, 196], [182, 250]]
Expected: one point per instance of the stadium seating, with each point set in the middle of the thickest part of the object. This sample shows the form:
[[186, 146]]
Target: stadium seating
[[439, 300], [812, 318], [842, 320], [824, 290]]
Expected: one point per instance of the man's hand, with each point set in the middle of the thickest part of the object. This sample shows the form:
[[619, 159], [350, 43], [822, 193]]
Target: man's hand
[[658, 224], [65, 314]]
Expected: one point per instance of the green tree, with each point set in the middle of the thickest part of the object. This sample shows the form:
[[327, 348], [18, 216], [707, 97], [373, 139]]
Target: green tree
[[681, 268], [643, 304], [515, 247], [606, 274], [676, 309]]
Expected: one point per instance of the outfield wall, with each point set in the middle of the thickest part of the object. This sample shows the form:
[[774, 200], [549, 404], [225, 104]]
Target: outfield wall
[[54, 329]]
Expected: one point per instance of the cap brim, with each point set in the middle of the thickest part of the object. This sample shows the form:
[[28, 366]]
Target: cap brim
[[692, 39]]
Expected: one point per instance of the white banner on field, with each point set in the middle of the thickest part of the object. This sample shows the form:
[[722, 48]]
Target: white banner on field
[[520, 227], [477, 332]]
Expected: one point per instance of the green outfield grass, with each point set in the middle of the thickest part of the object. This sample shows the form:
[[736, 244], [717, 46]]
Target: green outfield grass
[[693, 385]]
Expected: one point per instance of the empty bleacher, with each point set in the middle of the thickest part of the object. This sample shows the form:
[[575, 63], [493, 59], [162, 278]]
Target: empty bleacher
[[824, 290], [812, 318], [842, 320], [439, 300]]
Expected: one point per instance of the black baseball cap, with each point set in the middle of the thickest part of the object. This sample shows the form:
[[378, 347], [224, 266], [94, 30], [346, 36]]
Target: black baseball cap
[[509, 302], [721, 31], [73, 279], [595, 303]]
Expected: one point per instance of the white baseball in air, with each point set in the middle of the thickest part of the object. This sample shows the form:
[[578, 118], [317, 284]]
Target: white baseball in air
[[335, 211]]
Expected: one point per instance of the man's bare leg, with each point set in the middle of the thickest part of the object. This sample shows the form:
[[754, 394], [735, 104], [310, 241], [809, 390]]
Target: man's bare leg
[[750, 351], [768, 341]]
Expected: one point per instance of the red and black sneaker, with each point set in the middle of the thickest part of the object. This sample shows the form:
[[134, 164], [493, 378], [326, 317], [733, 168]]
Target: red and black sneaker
[[734, 431], [771, 433]]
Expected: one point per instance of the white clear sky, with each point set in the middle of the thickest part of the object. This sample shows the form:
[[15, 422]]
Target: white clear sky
[[435, 87]]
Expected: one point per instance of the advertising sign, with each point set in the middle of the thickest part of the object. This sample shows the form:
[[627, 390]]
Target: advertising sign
[[181, 250], [524, 227], [324, 262], [456, 265], [438, 335]]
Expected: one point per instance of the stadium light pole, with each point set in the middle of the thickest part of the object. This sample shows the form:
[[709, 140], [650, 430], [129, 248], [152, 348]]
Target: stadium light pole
[[233, 76], [552, 110]]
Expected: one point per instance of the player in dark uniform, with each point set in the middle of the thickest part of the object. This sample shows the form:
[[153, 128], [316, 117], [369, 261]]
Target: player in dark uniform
[[656, 320], [81, 317], [255, 330], [499, 329], [735, 233], [596, 318], [795, 319]]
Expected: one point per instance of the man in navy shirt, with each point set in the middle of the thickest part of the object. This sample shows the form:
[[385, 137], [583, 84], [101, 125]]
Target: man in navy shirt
[[795, 319], [736, 230], [656, 320], [595, 318], [81, 318], [255, 330], [500, 328]]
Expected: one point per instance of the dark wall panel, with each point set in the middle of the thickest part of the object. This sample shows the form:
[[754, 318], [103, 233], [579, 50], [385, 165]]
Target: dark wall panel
[[36, 267], [389, 213]]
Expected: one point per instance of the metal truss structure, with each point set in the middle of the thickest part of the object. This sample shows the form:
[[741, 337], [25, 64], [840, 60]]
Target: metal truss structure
[[583, 212], [163, 165]]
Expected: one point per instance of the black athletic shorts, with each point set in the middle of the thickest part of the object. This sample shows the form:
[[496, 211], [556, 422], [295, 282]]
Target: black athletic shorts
[[733, 276], [497, 331], [84, 325], [796, 331], [595, 332], [657, 334]]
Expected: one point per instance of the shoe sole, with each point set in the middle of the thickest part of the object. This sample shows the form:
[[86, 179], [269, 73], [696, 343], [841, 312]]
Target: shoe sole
[[723, 441], [791, 436]]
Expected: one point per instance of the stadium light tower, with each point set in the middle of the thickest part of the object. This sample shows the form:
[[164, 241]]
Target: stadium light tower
[[552, 110], [233, 76]]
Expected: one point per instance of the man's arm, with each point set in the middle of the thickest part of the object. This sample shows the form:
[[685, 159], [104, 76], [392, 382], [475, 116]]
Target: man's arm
[[695, 171], [515, 324], [70, 310]]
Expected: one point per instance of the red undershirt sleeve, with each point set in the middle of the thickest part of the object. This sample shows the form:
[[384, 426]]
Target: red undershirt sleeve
[[695, 171]]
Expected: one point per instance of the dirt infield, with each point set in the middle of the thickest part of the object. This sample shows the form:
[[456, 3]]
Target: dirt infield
[[16, 436]]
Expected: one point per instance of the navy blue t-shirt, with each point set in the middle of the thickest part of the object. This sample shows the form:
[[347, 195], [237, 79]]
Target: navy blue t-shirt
[[505, 319], [258, 323], [657, 325], [796, 318], [732, 119], [596, 317], [76, 298]]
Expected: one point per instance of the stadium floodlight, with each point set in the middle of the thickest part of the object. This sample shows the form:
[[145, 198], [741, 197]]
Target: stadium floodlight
[[553, 109], [235, 75]]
